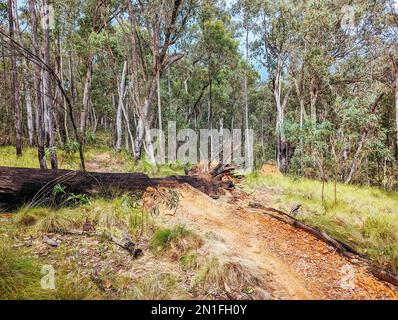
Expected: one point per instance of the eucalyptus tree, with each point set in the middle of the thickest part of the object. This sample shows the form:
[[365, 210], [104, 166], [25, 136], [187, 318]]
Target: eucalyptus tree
[[274, 35], [15, 82], [155, 28], [37, 86]]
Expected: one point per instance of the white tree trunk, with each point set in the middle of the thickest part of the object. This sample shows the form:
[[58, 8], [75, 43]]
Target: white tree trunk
[[29, 113], [37, 88], [86, 94], [26, 84], [396, 103], [48, 103], [159, 113], [122, 89], [246, 99]]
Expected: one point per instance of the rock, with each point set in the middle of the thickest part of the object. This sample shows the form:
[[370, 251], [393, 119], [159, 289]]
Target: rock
[[51, 242]]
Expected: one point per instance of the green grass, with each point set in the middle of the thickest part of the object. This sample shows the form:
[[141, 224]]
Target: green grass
[[117, 161], [20, 278], [190, 261], [175, 241], [29, 159], [19, 275], [363, 217], [120, 213]]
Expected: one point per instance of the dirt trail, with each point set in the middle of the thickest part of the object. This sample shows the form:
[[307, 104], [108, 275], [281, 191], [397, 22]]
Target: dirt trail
[[106, 162], [295, 264]]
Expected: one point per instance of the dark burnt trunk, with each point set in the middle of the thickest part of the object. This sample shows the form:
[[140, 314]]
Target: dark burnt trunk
[[18, 185]]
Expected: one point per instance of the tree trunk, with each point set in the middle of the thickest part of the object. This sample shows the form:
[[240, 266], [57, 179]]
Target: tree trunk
[[159, 112], [29, 113], [122, 90], [86, 94], [281, 146], [396, 104], [143, 119], [37, 88], [246, 100], [15, 85], [26, 84], [48, 103], [313, 99], [18, 185], [127, 121]]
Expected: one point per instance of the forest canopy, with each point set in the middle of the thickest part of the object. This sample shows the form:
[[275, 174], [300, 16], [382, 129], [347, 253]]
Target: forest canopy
[[317, 81]]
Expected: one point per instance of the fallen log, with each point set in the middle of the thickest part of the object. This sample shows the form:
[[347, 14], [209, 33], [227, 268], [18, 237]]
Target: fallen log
[[18, 185]]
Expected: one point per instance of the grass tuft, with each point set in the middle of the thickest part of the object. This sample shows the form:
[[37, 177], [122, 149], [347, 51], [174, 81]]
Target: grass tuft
[[216, 273], [19, 275], [174, 242], [161, 287]]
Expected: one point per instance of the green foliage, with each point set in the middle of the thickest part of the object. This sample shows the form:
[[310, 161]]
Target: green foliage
[[61, 196], [90, 137]]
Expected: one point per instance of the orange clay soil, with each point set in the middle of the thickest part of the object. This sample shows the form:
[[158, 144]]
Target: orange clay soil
[[293, 263]]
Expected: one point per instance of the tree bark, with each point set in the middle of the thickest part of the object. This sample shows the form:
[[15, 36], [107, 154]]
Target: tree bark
[[122, 90], [313, 99], [281, 145], [37, 87], [86, 94], [18, 185], [15, 84], [26, 84], [48, 103], [246, 100], [396, 103]]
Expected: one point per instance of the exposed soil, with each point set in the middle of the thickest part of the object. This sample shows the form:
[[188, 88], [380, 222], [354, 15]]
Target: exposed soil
[[294, 264], [103, 162]]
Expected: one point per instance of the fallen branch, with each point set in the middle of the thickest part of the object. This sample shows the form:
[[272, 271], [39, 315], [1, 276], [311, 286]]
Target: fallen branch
[[125, 243]]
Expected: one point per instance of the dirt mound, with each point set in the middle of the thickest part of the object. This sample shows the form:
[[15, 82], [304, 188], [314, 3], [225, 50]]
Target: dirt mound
[[270, 170]]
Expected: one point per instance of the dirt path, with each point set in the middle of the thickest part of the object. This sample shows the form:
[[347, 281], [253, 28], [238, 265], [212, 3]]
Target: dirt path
[[101, 163], [294, 264]]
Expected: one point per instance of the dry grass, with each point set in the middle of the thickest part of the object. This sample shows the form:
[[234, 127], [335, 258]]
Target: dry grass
[[165, 286], [174, 242], [363, 217], [221, 274]]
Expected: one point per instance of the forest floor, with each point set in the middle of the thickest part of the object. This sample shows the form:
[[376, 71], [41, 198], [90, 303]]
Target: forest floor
[[194, 247]]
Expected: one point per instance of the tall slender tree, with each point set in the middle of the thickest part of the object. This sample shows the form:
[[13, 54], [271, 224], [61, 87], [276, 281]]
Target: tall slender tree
[[15, 83]]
